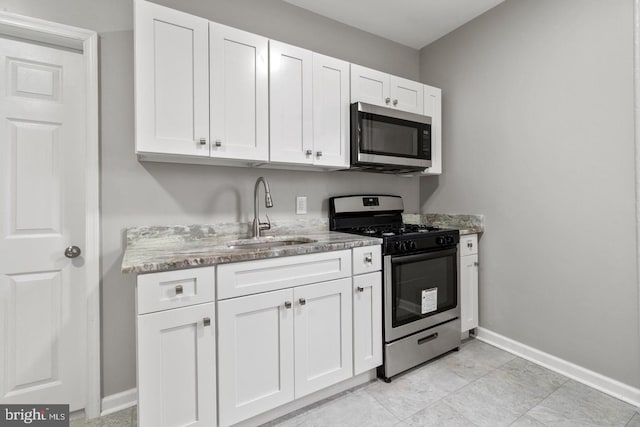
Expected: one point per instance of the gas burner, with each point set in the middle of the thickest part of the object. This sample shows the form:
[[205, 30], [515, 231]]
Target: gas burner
[[388, 233], [369, 231], [423, 230]]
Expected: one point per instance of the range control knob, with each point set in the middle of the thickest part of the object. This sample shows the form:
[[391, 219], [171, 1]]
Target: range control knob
[[450, 240], [441, 240], [412, 245], [397, 246]]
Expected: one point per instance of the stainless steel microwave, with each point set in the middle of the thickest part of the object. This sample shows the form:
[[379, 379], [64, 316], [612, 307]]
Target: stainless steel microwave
[[387, 140]]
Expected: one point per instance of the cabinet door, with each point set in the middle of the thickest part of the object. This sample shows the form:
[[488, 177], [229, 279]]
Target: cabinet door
[[433, 109], [176, 367], [255, 354], [469, 292], [407, 95], [370, 86], [239, 94], [171, 81], [323, 330], [367, 322], [290, 84], [330, 111]]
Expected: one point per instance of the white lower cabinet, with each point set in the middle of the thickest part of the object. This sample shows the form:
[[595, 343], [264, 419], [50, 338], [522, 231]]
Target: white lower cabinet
[[278, 346], [255, 354], [468, 278], [176, 367], [323, 346], [367, 322]]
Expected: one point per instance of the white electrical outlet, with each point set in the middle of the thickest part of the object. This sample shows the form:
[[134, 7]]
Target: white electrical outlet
[[301, 205]]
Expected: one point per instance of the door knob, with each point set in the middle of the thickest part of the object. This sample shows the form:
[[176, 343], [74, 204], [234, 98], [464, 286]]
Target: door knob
[[72, 252]]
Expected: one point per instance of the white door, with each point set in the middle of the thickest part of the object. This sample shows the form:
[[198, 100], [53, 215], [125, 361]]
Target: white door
[[323, 333], [407, 95], [290, 91], [369, 86], [469, 292], [330, 111], [177, 367], [239, 94], [367, 322], [42, 210], [171, 81], [255, 354]]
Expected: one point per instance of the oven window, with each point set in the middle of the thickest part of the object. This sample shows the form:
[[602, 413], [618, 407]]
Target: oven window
[[388, 137], [423, 285]]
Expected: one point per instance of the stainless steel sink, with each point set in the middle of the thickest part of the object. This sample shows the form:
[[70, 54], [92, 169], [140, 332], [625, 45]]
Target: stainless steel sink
[[268, 242]]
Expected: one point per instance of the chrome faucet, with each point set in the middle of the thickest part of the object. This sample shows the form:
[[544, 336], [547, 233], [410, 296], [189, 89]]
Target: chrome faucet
[[268, 202]]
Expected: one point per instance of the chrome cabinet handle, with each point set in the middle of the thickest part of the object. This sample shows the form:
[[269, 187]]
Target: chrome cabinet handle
[[308, 152], [387, 100], [360, 289], [179, 290], [287, 304], [72, 252], [368, 259], [475, 264], [203, 141], [302, 301], [218, 143], [319, 154], [395, 102], [206, 321], [469, 244]]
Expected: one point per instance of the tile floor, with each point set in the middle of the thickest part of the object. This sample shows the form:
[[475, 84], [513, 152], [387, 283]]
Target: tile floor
[[478, 386]]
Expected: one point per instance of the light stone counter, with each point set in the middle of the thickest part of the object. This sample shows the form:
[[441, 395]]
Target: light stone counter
[[153, 249], [467, 224]]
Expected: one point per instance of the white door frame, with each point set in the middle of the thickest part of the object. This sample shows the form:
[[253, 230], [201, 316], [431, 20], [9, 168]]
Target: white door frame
[[86, 41]]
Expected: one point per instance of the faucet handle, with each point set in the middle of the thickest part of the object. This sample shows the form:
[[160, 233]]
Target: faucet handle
[[265, 225]]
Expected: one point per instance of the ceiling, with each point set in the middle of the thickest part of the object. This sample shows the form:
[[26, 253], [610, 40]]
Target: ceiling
[[413, 23]]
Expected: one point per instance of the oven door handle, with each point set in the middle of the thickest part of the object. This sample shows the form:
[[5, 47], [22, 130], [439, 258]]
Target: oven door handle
[[423, 257]]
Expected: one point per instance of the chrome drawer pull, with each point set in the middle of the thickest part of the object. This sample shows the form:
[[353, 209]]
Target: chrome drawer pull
[[203, 141], [206, 321], [360, 289], [287, 304], [179, 290], [427, 339], [368, 258], [302, 301]]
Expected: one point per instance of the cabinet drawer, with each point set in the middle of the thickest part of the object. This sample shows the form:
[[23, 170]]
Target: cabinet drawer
[[250, 277], [173, 289], [468, 244], [366, 259]]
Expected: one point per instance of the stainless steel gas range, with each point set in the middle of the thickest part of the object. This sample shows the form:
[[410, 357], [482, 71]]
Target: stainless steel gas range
[[420, 281]]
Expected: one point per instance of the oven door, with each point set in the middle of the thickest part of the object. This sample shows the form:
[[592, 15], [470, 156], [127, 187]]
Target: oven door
[[420, 291]]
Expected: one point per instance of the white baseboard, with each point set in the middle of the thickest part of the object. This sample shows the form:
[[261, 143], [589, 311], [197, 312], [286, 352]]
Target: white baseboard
[[119, 401], [600, 382]]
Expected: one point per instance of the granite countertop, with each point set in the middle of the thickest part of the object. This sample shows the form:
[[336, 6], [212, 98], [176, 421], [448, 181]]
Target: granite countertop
[[153, 249], [467, 224]]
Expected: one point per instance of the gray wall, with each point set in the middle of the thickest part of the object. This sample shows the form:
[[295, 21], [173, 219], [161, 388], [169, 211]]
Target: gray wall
[[135, 194], [538, 136]]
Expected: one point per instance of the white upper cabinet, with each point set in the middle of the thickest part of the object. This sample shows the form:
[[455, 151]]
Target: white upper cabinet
[[290, 80], [171, 81], [330, 111], [433, 109], [378, 88], [239, 94], [406, 95], [369, 86]]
